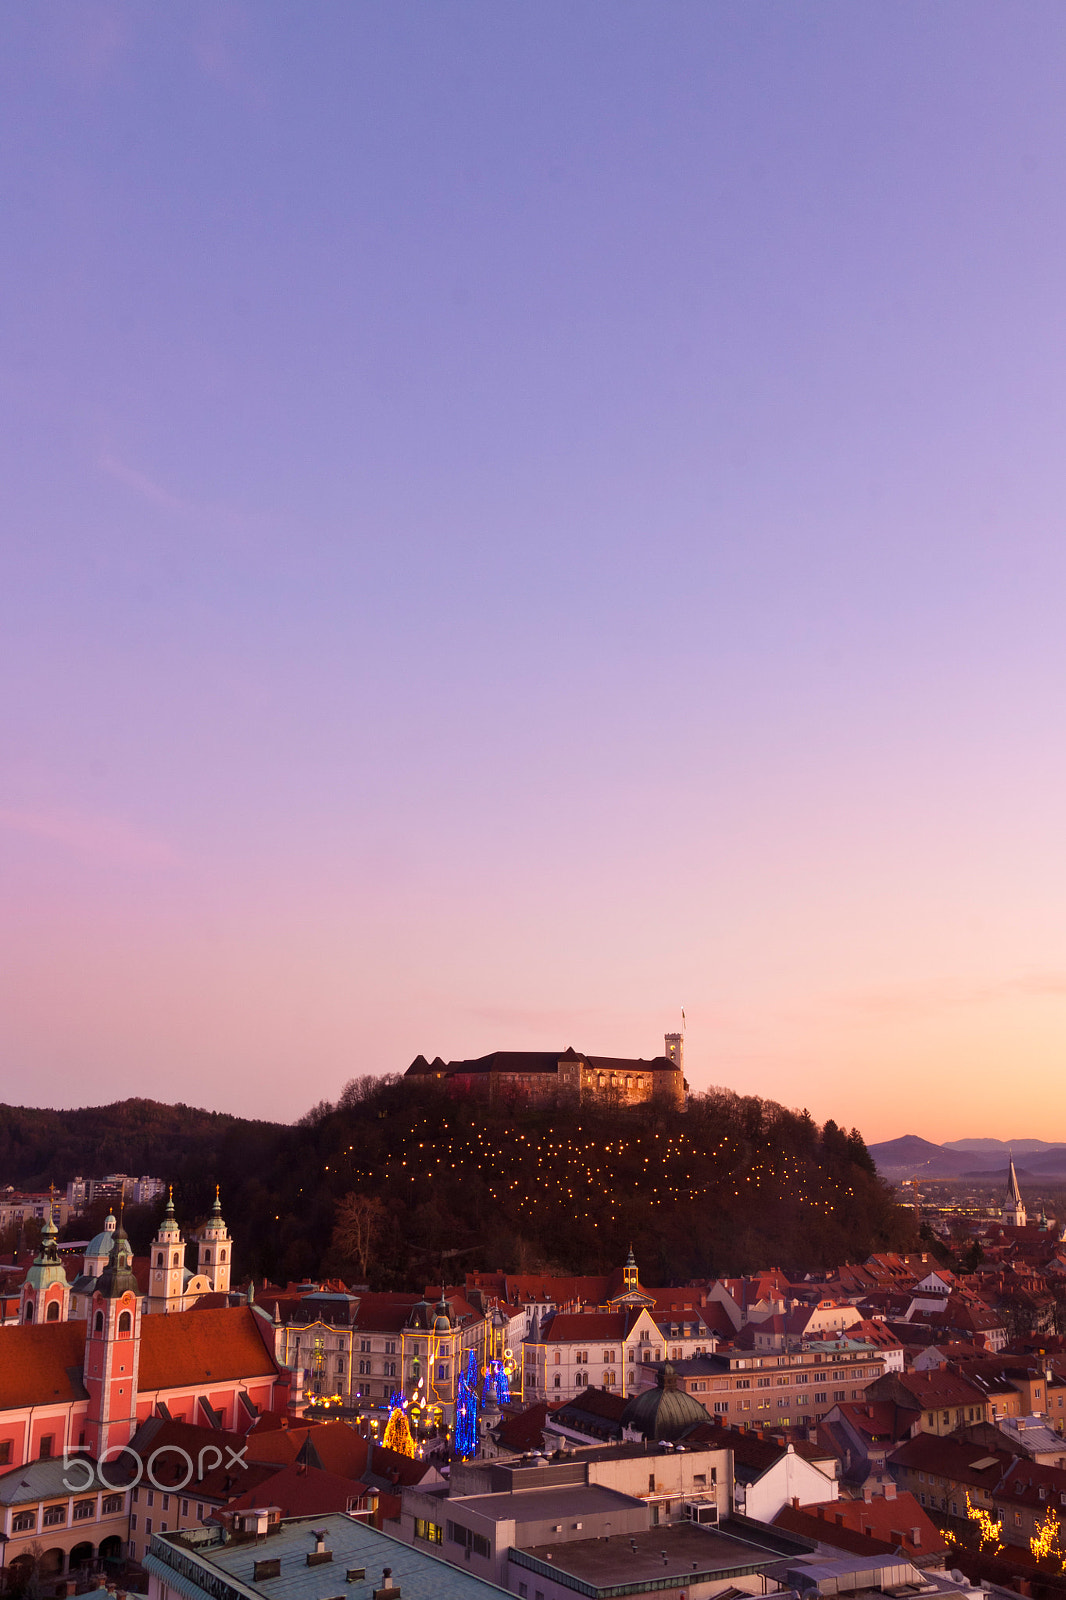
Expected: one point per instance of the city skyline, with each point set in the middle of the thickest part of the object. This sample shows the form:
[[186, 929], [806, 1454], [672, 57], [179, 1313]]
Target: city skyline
[[521, 522]]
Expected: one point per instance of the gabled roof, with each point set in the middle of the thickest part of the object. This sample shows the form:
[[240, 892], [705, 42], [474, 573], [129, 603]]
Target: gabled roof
[[952, 1458], [191, 1348], [568, 1327], [889, 1523], [41, 1364], [524, 1430], [302, 1491]]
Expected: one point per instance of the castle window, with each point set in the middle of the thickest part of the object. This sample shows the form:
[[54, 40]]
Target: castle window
[[222, 1255], [159, 1259], [52, 1314], [175, 1261], [29, 1311], [125, 1322]]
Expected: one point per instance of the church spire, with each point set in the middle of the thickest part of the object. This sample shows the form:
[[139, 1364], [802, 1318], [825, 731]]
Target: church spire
[[1013, 1210]]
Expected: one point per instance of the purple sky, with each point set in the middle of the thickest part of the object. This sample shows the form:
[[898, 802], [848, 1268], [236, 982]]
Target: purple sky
[[519, 519]]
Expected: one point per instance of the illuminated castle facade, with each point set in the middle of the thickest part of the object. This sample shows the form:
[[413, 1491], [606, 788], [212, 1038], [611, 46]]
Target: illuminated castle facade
[[540, 1077]]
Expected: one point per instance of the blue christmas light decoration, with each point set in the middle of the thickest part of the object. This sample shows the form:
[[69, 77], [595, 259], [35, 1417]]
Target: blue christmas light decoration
[[466, 1409], [496, 1386]]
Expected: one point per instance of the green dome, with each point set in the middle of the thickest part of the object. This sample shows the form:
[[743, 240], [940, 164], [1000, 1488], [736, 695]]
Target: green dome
[[665, 1412], [104, 1242]]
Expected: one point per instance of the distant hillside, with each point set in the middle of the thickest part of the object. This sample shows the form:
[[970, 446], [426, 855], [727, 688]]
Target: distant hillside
[[727, 1185], [1002, 1146], [190, 1148], [912, 1157]]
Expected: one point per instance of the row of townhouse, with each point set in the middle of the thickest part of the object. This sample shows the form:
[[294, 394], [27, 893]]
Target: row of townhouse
[[950, 1476], [963, 1392], [607, 1350], [358, 1350], [791, 1389]]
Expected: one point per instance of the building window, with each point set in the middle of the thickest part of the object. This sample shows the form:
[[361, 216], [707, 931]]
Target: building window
[[558, 1381], [55, 1516], [47, 1444], [431, 1532], [84, 1510], [185, 1508], [24, 1522], [151, 1497], [111, 1505], [133, 1523], [5, 1452], [199, 1511], [147, 1525], [125, 1322]]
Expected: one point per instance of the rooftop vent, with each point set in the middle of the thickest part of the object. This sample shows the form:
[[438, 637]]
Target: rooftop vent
[[319, 1555]]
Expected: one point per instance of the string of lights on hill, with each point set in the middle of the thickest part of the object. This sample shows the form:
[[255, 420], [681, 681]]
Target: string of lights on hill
[[727, 1184]]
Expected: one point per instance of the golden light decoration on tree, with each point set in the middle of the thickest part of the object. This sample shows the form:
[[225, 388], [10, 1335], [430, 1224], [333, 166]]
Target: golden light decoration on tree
[[397, 1435], [988, 1527], [1046, 1543]]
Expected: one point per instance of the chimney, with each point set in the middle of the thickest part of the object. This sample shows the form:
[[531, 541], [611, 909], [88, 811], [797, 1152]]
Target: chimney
[[916, 1538], [795, 1502], [867, 1492], [890, 1491]]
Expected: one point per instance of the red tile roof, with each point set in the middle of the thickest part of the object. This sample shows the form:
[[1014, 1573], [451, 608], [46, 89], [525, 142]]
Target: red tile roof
[[41, 1364], [570, 1327], [302, 1491], [889, 1523], [207, 1347]]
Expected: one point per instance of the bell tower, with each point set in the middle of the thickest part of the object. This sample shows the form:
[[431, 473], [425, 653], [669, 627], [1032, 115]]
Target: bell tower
[[166, 1275], [216, 1249], [112, 1352], [45, 1293]]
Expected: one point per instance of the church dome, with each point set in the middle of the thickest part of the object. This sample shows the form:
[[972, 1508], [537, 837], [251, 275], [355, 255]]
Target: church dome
[[665, 1412], [104, 1242]]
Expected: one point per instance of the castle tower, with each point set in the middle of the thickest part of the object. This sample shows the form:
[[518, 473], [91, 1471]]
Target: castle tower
[[166, 1275], [216, 1249], [1013, 1209], [675, 1050], [112, 1352], [630, 1275], [45, 1293]]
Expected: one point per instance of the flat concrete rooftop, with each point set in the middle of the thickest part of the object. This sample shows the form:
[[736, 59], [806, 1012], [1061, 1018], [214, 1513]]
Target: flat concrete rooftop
[[537, 1505], [691, 1553]]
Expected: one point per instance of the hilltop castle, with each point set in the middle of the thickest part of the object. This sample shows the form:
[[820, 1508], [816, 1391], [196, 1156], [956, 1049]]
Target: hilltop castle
[[541, 1076]]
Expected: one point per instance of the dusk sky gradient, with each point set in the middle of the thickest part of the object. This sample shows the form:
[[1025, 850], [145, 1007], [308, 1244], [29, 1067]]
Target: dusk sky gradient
[[519, 519]]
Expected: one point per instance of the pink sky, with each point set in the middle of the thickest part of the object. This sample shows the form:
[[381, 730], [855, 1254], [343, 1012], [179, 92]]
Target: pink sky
[[516, 522]]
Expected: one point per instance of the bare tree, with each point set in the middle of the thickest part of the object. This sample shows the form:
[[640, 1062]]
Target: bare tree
[[358, 1218]]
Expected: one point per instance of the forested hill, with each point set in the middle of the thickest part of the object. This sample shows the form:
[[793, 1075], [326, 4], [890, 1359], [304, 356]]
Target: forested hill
[[179, 1143], [728, 1185]]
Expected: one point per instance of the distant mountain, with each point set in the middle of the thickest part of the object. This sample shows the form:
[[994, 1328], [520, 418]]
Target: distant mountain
[[993, 1146], [913, 1157]]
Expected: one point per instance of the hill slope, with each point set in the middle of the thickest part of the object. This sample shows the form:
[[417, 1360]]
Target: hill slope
[[729, 1185]]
